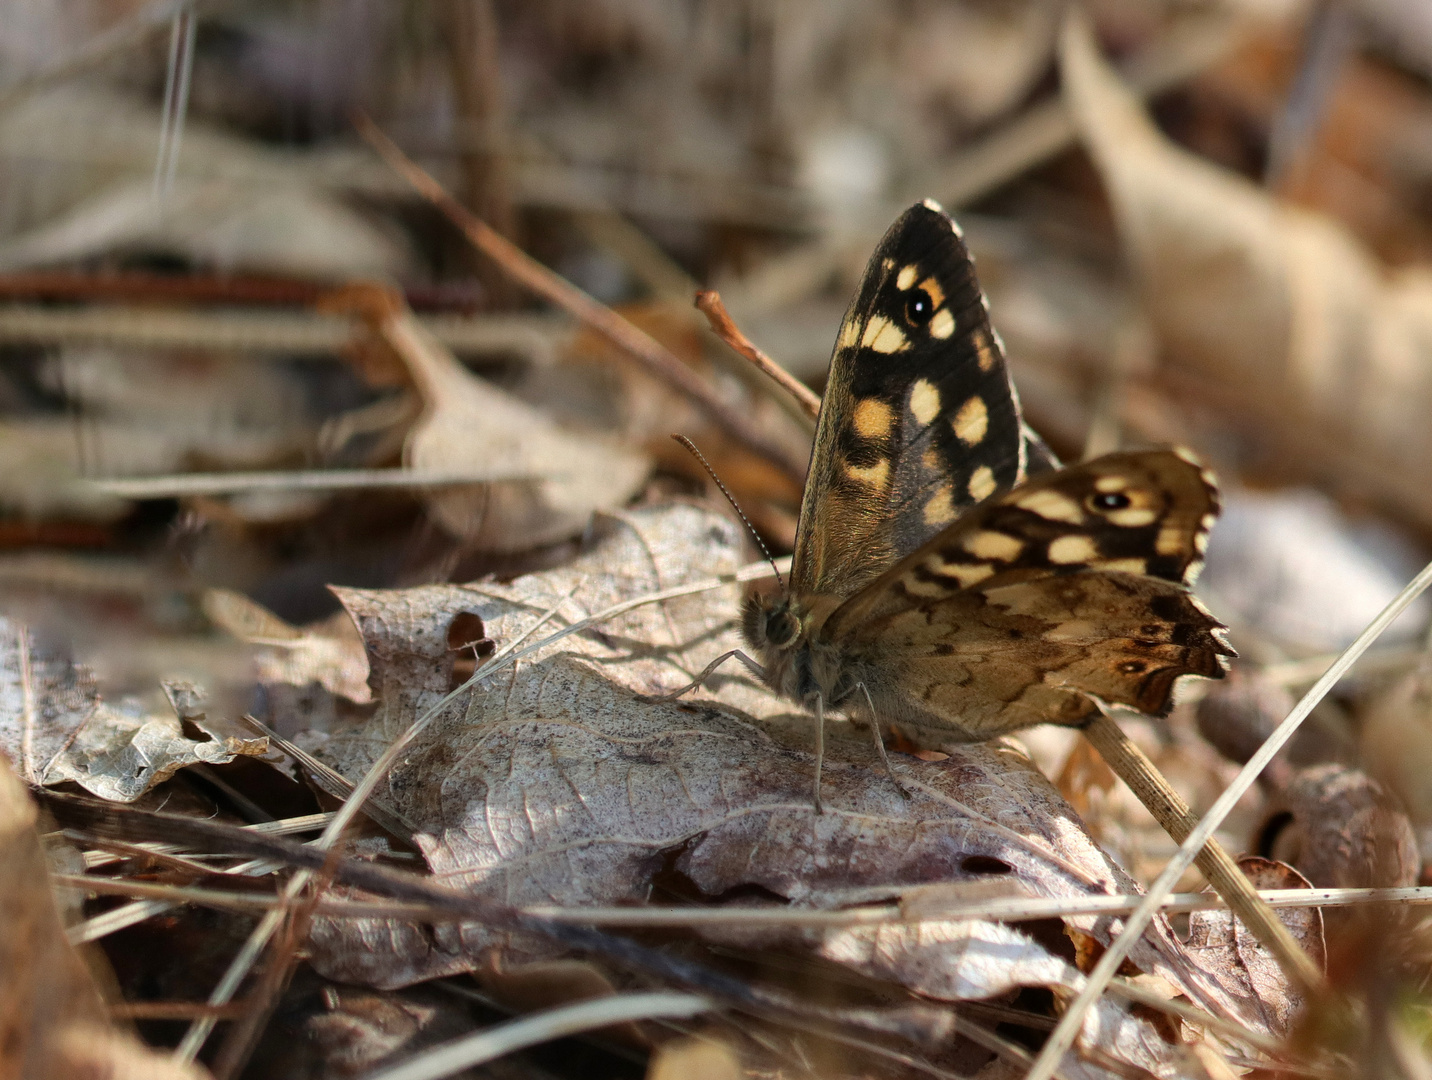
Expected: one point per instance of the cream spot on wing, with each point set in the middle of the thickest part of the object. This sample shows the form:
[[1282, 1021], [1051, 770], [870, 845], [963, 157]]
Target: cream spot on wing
[[1170, 541], [988, 544], [1200, 542], [1132, 517], [966, 574], [931, 286], [1052, 506], [972, 421], [872, 475], [906, 277], [1207, 522], [985, 348], [887, 264], [931, 459], [981, 485], [1110, 483], [873, 418], [1072, 549], [849, 334], [943, 324], [939, 510], [884, 336], [1127, 566], [924, 401], [915, 587]]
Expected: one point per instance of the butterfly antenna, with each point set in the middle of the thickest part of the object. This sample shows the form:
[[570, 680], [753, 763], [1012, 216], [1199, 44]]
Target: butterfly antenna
[[699, 456]]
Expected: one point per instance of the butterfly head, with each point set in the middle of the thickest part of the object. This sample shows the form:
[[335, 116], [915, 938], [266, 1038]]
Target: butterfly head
[[772, 624]]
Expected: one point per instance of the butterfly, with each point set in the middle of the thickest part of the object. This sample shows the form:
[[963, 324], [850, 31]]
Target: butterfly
[[949, 577]]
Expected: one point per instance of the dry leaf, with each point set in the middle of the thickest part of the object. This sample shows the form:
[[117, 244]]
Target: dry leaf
[[1219, 940], [562, 782], [329, 653], [55, 727], [52, 1019], [469, 423], [79, 167], [1281, 306], [1342, 830]]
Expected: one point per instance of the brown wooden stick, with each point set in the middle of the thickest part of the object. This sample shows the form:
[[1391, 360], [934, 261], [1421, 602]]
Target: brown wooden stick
[[1144, 779], [708, 302], [531, 274]]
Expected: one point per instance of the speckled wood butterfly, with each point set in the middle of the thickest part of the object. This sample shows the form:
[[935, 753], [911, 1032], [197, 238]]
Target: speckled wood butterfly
[[948, 575]]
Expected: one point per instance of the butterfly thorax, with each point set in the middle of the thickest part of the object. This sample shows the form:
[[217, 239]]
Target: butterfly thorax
[[784, 632]]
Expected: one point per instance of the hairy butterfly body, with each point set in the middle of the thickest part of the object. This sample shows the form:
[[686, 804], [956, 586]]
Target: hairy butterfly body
[[948, 577]]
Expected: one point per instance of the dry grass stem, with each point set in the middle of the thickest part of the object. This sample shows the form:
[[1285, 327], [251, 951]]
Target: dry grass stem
[[184, 485], [1142, 776], [1014, 910], [300, 333], [473, 1050], [1069, 1025]]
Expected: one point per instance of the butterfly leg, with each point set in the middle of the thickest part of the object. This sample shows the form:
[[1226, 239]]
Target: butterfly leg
[[710, 669], [880, 743], [819, 746]]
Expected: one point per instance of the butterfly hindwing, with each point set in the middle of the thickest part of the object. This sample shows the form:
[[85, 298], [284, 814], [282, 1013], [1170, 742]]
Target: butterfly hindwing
[[919, 420], [1070, 585]]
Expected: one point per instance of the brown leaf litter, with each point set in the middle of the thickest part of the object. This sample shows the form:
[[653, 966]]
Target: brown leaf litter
[[56, 727], [53, 1020]]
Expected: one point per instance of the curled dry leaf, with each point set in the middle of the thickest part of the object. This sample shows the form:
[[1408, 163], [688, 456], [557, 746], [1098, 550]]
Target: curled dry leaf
[[52, 1019], [469, 423], [1221, 941], [54, 726], [1282, 307], [329, 653], [1342, 829], [563, 781]]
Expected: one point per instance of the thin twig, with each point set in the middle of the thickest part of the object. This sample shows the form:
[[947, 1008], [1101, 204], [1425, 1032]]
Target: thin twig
[[1070, 1024], [708, 302], [135, 286], [1018, 909], [527, 271]]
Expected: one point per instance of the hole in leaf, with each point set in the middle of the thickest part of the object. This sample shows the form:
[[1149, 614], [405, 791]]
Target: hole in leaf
[[985, 864], [467, 636]]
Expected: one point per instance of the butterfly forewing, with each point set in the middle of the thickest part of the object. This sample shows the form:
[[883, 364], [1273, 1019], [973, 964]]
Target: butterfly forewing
[[944, 563], [919, 420]]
